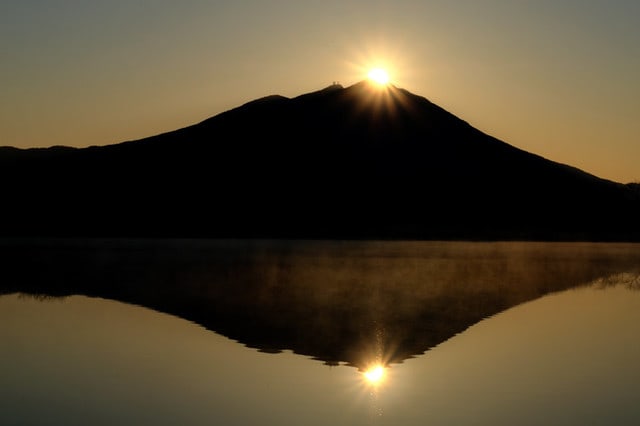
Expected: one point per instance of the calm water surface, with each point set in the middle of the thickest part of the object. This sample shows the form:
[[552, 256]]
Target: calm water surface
[[556, 341]]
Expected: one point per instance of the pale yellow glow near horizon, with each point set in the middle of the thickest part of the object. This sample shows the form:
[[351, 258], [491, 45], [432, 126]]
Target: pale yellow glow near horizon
[[570, 96], [379, 76]]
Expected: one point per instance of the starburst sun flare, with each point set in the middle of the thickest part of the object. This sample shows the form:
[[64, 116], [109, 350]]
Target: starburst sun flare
[[378, 76]]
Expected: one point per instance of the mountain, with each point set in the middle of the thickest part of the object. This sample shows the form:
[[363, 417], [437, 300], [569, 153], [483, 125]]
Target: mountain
[[355, 162]]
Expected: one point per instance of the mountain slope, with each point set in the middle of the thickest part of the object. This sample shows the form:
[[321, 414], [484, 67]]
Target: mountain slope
[[353, 162]]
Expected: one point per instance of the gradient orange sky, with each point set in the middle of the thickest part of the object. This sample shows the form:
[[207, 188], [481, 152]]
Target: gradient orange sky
[[557, 78]]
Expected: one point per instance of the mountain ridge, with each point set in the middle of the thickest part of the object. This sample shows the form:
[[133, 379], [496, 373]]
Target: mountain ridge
[[354, 162]]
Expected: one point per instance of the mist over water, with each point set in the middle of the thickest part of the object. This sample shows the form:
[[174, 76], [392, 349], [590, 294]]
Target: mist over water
[[437, 316], [335, 301]]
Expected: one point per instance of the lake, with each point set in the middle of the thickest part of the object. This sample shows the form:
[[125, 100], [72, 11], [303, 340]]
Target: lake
[[166, 332]]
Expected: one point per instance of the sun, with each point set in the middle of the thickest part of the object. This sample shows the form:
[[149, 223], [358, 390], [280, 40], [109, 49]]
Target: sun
[[378, 76]]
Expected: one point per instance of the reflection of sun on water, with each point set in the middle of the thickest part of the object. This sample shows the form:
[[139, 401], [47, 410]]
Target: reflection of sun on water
[[373, 378], [374, 375]]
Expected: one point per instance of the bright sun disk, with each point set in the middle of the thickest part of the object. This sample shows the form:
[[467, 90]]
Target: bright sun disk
[[379, 76]]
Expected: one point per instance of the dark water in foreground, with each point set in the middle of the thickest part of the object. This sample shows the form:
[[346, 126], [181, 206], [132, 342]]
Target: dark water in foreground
[[177, 332]]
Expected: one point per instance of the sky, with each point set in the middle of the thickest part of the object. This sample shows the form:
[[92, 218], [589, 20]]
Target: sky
[[558, 78]]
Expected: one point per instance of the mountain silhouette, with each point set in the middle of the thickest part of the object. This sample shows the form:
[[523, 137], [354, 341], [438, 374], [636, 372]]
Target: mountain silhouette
[[355, 162]]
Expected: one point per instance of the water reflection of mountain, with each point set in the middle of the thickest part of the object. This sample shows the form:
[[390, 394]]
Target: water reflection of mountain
[[335, 301]]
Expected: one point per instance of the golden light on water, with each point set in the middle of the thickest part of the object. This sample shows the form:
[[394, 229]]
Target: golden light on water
[[374, 375]]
